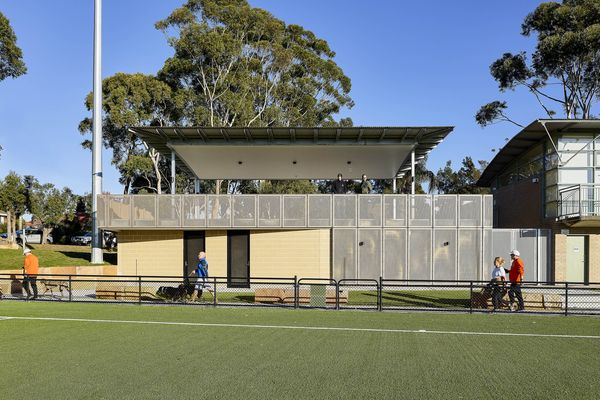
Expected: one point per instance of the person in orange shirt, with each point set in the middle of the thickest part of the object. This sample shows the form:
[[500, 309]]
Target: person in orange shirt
[[515, 275], [31, 265]]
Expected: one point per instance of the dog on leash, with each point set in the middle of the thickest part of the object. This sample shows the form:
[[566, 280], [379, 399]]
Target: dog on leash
[[183, 292]]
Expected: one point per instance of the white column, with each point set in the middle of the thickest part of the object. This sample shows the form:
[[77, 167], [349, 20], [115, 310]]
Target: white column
[[394, 184], [412, 171], [196, 185], [173, 172], [97, 134]]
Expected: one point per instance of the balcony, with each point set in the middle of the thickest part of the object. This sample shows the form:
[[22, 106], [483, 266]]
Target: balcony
[[117, 212], [579, 205]]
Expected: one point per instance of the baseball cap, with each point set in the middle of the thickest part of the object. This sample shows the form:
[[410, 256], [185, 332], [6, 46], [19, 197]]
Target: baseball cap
[[515, 253], [27, 250]]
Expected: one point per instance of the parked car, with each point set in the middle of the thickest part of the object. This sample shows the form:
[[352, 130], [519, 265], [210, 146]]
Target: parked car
[[33, 236], [4, 235], [83, 239]]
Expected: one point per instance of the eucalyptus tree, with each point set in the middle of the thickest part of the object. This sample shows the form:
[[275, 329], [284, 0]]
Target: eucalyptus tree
[[51, 206], [13, 201], [564, 69]]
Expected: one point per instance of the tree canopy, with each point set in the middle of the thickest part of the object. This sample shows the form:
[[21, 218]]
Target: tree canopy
[[233, 65], [564, 69], [463, 181], [11, 56]]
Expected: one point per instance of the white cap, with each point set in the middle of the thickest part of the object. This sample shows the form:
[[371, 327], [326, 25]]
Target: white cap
[[515, 253], [27, 250]]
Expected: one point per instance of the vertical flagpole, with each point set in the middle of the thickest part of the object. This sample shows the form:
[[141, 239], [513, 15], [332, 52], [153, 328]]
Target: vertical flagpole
[[97, 134]]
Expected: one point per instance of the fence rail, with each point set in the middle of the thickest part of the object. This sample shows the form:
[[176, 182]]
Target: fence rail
[[566, 298], [579, 201]]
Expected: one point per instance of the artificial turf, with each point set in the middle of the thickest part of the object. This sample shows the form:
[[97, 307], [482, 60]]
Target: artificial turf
[[97, 360]]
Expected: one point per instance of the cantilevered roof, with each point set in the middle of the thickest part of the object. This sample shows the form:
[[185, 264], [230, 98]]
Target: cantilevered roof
[[293, 153], [531, 135]]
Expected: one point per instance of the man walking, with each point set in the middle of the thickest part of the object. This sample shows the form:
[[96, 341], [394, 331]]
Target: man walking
[[515, 275], [31, 265]]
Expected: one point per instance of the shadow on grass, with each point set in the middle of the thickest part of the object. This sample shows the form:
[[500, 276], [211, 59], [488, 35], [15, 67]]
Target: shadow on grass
[[110, 258], [412, 299]]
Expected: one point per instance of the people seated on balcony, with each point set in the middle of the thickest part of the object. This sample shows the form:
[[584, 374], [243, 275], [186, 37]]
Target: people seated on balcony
[[339, 186]]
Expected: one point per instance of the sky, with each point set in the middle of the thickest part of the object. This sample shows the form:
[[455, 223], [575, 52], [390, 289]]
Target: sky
[[422, 63]]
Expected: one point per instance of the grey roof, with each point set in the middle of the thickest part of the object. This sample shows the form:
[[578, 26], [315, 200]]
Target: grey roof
[[162, 138], [528, 137]]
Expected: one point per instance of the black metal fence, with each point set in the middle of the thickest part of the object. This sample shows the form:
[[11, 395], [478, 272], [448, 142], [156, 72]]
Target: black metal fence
[[359, 294]]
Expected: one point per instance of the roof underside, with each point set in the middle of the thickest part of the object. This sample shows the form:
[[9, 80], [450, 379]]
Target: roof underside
[[530, 136], [292, 153]]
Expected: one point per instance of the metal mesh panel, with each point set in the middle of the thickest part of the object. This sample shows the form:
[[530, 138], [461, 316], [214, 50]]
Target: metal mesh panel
[[344, 253], [419, 210], [219, 211], [101, 213], [469, 254], [294, 210], [501, 244], [444, 254], [369, 253], [544, 255], [394, 262], [470, 210], [319, 293], [488, 211], [344, 210], [445, 210], [194, 210], [319, 210], [526, 243], [359, 294], [144, 210], [169, 210], [119, 211], [269, 210], [244, 211], [488, 255], [369, 210], [419, 263], [395, 210]]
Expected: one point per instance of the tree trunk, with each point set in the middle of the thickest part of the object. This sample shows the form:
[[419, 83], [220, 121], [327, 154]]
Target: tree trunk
[[45, 233], [9, 232]]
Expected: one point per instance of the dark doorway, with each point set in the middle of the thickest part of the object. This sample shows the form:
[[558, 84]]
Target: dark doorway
[[193, 243], [238, 259]]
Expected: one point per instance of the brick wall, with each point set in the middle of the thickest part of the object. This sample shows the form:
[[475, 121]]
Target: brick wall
[[305, 253], [155, 252], [560, 257], [594, 258]]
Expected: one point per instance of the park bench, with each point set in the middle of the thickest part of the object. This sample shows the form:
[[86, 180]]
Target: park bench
[[110, 291]]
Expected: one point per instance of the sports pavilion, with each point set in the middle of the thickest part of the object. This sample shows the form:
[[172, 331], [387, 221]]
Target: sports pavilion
[[351, 236]]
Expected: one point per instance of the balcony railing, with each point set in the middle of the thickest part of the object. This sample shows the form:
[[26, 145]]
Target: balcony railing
[[579, 201], [293, 211]]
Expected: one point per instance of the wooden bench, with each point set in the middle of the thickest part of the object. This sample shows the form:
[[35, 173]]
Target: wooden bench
[[286, 296], [108, 291]]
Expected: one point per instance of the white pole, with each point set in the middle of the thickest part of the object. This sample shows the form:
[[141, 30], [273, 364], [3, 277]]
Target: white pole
[[412, 172], [173, 176], [97, 134]]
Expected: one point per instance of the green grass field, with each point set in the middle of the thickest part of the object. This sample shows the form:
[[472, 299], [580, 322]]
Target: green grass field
[[53, 255], [240, 353]]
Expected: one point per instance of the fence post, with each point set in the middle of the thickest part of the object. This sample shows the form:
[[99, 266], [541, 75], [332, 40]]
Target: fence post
[[139, 290], [214, 291], [471, 297], [566, 298], [380, 294], [70, 289], [295, 291]]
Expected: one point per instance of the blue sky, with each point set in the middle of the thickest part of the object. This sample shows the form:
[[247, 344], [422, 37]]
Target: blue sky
[[411, 63]]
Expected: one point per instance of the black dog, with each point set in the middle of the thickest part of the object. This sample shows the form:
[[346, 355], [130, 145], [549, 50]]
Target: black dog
[[179, 293]]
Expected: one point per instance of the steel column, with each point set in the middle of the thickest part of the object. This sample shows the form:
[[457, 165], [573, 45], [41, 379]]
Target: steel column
[[97, 134]]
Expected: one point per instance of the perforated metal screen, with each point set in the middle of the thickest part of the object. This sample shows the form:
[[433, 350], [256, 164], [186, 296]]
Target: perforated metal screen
[[269, 210], [419, 210], [369, 210], [394, 263], [488, 211], [419, 247], [344, 253], [344, 210], [395, 210], [219, 211], [319, 211], [469, 253], [526, 243], [244, 211], [119, 211], [445, 210], [144, 211], [369, 253], [470, 211], [444, 254], [169, 210], [294, 211], [194, 211]]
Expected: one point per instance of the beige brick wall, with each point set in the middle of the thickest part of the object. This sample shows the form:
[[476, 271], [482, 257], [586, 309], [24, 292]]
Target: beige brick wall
[[156, 252], [304, 253], [560, 257], [594, 258], [216, 252]]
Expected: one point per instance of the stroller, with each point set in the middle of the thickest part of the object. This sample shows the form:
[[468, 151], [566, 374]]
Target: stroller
[[498, 293]]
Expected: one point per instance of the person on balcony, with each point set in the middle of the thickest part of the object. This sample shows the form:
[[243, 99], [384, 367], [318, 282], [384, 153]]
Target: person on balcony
[[365, 185], [339, 186]]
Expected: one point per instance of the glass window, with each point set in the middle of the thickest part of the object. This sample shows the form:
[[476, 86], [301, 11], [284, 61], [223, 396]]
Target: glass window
[[551, 161], [551, 193], [552, 177], [533, 168], [573, 176]]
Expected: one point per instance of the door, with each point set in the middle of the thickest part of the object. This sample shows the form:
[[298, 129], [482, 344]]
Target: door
[[238, 259], [193, 243], [577, 259]]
